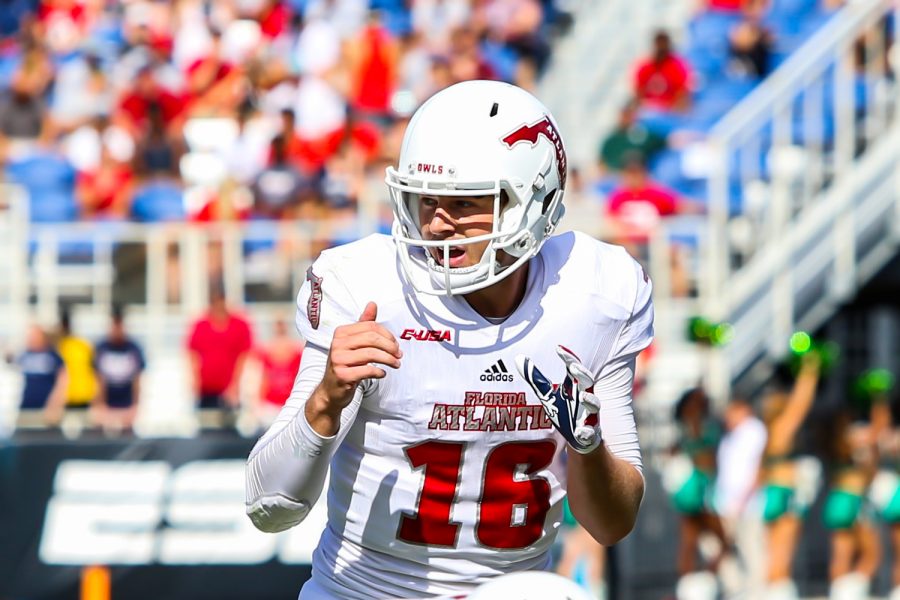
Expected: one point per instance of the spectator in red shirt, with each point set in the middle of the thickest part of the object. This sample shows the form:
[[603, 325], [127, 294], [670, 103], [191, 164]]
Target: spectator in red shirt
[[661, 82], [146, 92], [636, 208], [736, 5], [107, 190], [726, 5], [273, 18], [279, 361], [218, 345], [638, 204], [214, 86], [374, 55]]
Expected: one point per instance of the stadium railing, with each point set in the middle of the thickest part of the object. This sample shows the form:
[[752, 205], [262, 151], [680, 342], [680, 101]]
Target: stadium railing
[[803, 205], [162, 273]]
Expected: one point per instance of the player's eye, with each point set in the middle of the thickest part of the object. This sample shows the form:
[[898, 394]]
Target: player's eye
[[428, 202]]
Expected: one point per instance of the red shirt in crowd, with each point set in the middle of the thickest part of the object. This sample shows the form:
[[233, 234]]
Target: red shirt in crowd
[[136, 106], [74, 13], [278, 374], [274, 21], [374, 78], [641, 208], [104, 186], [219, 346], [661, 84], [726, 5]]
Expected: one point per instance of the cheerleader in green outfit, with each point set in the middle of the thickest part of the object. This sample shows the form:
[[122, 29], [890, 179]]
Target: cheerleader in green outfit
[[780, 474], [884, 493], [691, 493], [855, 547]]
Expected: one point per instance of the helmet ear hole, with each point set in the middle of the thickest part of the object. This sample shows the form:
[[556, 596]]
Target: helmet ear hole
[[548, 200]]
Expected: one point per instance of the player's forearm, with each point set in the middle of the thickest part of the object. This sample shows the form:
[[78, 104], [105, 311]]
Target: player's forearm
[[321, 413], [287, 467], [604, 494], [605, 487], [285, 476]]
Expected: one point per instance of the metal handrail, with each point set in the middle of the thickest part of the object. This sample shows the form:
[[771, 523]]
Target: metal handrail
[[840, 143], [796, 70]]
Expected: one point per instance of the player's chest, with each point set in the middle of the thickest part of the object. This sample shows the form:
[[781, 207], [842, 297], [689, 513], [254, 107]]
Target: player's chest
[[457, 379]]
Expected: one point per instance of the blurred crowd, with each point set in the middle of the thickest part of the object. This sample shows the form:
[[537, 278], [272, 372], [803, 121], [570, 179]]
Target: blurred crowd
[[63, 372], [98, 383], [653, 164], [234, 109]]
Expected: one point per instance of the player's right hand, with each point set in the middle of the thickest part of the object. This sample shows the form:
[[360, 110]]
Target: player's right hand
[[571, 406], [356, 351]]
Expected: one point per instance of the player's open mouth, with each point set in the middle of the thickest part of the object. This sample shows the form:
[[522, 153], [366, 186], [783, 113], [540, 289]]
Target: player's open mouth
[[457, 256]]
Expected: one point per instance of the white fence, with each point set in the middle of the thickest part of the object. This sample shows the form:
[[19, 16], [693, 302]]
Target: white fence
[[813, 154], [163, 271]]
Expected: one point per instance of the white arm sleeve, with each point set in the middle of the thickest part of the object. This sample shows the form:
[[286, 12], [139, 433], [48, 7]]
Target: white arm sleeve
[[287, 467], [617, 424], [614, 383]]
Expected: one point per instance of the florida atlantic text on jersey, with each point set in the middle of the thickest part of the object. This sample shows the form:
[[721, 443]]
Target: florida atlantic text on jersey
[[450, 473]]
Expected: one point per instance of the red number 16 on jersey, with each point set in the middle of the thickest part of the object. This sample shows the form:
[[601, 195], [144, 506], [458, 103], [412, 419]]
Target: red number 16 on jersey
[[513, 503]]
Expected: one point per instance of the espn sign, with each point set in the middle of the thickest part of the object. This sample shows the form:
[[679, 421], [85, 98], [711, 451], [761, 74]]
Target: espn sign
[[140, 513]]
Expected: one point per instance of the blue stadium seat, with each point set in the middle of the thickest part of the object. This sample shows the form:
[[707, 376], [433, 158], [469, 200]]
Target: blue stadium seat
[[261, 235], [12, 12], [52, 206], [42, 172], [605, 186], [158, 201], [720, 96], [792, 8], [50, 182], [708, 31], [501, 58], [707, 64], [394, 15], [666, 167], [8, 66], [298, 6], [661, 122]]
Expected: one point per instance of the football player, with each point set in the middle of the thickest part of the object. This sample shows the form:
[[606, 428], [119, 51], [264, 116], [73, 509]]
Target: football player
[[449, 367]]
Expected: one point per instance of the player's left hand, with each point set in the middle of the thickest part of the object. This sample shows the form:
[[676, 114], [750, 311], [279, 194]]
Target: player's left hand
[[571, 406]]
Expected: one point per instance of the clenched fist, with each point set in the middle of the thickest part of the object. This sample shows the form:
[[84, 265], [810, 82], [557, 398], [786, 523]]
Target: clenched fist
[[356, 350]]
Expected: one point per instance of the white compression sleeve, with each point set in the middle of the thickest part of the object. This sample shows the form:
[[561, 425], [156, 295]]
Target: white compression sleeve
[[287, 466], [617, 426]]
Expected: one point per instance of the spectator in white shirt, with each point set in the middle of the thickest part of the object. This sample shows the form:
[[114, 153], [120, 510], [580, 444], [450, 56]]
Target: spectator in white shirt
[[738, 458]]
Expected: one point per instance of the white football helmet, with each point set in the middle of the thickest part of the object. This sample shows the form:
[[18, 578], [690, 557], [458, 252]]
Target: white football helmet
[[478, 138]]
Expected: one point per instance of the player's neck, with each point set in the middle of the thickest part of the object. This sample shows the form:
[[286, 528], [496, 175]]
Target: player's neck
[[501, 299]]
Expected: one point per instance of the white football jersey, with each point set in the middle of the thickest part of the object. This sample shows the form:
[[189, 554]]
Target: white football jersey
[[451, 473]]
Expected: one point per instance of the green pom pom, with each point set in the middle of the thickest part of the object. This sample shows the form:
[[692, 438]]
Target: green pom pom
[[876, 381], [703, 331], [800, 342]]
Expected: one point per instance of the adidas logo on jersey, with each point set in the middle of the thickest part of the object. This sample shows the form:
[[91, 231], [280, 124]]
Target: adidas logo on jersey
[[497, 372]]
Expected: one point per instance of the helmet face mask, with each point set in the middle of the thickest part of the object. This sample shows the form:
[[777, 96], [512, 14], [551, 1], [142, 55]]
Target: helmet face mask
[[456, 145]]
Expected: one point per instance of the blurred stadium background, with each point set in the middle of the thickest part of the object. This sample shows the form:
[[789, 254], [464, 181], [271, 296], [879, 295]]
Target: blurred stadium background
[[157, 155]]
